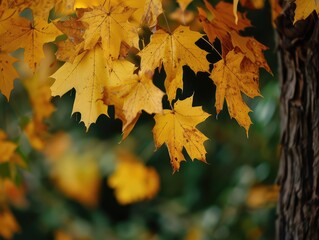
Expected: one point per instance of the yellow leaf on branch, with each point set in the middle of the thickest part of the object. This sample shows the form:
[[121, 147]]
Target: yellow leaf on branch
[[174, 50], [109, 22], [138, 93], [177, 129], [19, 32], [231, 79], [90, 75]]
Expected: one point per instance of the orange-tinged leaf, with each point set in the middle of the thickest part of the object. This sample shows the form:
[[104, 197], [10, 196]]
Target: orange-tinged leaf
[[8, 223], [61, 235], [110, 24], [142, 184], [36, 133], [68, 51], [305, 8], [177, 129], [7, 74], [73, 28], [231, 79], [221, 23], [13, 194], [21, 33], [174, 51], [138, 93], [252, 49], [89, 75], [253, 4]]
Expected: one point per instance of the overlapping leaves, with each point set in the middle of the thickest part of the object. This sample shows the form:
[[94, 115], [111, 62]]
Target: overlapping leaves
[[99, 37]]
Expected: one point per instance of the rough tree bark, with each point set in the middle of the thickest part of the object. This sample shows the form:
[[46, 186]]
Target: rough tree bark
[[298, 177]]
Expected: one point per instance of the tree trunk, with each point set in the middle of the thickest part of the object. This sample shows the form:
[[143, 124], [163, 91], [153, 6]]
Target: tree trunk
[[298, 177]]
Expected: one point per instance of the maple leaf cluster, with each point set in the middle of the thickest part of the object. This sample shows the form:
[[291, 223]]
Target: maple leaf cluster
[[99, 39]]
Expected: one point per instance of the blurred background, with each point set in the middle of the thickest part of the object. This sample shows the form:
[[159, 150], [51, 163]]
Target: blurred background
[[67, 183]]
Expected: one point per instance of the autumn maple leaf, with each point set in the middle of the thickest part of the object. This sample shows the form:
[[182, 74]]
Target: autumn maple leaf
[[174, 50], [177, 129], [109, 22], [19, 32], [137, 93], [231, 79], [90, 75]]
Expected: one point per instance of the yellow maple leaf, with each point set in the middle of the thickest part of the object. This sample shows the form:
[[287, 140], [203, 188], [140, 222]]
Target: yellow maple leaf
[[142, 184], [7, 74], [138, 93], [19, 32], [90, 75], [109, 22], [177, 129], [8, 223], [305, 8], [231, 78], [174, 50], [78, 177]]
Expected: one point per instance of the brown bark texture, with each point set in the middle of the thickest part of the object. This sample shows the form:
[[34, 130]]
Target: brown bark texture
[[298, 177]]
